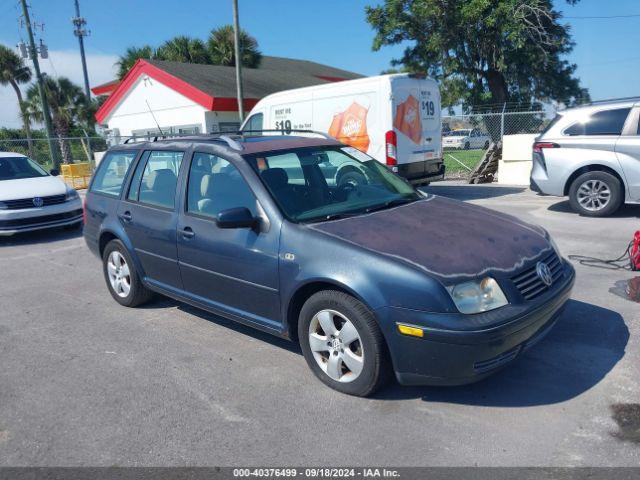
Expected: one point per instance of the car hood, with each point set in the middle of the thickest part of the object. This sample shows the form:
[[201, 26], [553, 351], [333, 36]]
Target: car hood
[[31, 187], [448, 239]]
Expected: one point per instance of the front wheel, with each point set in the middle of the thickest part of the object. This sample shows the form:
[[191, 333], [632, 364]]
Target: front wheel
[[342, 343], [596, 194], [121, 276]]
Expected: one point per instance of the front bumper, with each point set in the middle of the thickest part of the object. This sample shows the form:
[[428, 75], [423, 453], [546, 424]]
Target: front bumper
[[457, 357], [26, 220]]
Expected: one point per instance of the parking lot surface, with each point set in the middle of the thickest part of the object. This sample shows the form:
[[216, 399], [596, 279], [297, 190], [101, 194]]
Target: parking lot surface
[[84, 381]]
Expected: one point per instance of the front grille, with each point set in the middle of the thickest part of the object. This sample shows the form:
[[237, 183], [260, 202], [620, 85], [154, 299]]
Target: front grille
[[530, 285], [28, 202], [34, 221]]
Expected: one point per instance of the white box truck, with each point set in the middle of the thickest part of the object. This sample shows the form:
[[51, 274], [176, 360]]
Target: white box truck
[[393, 118]]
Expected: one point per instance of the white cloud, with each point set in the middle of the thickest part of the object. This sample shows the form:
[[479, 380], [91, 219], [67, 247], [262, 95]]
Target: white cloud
[[61, 63]]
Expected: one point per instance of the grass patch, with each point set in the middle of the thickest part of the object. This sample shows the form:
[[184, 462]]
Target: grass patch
[[470, 158]]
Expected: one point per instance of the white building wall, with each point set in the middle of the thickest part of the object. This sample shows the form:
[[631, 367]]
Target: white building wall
[[170, 108], [515, 166], [219, 121]]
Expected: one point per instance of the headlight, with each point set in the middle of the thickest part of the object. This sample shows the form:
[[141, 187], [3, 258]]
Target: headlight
[[477, 296], [71, 195]]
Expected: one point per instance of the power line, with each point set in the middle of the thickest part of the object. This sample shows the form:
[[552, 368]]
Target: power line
[[602, 17]]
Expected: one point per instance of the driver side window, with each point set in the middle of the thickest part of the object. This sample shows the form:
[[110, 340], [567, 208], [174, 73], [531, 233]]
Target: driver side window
[[215, 185]]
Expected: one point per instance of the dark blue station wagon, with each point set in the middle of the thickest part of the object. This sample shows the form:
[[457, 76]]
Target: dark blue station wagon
[[312, 240]]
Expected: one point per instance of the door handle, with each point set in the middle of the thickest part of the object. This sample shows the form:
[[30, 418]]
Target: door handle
[[126, 216], [187, 233]]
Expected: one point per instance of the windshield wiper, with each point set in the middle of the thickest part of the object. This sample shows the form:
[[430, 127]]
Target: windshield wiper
[[391, 203]]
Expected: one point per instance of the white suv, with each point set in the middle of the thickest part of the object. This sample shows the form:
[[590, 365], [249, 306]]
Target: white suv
[[592, 155]]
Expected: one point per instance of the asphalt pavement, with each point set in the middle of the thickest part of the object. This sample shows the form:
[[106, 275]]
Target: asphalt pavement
[[86, 382]]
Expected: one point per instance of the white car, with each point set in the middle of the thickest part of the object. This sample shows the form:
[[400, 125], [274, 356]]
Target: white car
[[466, 138], [32, 199]]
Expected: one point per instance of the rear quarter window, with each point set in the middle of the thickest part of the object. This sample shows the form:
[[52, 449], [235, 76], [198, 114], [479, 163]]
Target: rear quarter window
[[606, 122], [109, 178]]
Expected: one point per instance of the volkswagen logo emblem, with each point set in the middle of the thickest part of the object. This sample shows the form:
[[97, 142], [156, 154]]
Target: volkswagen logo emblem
[[38, 202], [544, 273]]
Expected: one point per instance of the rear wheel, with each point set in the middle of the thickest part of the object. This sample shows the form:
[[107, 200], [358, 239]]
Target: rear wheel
[[596, 194], [121, 276], [467, 146], [342, 343]]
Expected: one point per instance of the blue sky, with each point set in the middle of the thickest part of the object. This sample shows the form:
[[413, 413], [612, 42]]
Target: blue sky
[[327, 31]]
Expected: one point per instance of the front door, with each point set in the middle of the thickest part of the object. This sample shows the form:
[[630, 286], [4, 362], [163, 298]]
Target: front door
[[628, 153], [231, 269], [149, 217]]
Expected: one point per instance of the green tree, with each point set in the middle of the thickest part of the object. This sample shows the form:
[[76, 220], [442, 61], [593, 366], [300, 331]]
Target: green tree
[[483, 52], [221, 48], [69, 106], [131, 56], [183, 49], [14, 72]]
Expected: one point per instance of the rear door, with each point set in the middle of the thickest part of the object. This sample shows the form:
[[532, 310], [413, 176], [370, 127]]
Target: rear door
[[149, 218], [628, 153], [416, 120]]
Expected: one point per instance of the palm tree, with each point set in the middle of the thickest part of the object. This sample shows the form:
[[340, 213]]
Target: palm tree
[[68, 104], [183, 49], [126, 61], [220, 45], [14, 72]]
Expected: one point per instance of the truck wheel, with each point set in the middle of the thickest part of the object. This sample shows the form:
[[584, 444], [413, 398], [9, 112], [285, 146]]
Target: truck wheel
[[486, 145], [596, 194], [123, 280], [467, 146], [342, 343]]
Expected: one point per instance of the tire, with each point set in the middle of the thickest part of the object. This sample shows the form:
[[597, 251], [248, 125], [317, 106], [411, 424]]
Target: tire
[[367, 353], [137, 293], [486, 145], [596, 194], [353, 178], [467, 146]]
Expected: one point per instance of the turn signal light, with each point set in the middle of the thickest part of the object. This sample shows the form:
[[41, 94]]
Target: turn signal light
[[411, 331]]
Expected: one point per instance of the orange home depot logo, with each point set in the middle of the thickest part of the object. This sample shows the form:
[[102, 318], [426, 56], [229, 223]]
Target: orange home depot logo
[[407, 119], [350, 127]]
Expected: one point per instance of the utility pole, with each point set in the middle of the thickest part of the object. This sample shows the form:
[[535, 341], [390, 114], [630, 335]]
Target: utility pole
[[82, 32], [236, 38], [33, 52]]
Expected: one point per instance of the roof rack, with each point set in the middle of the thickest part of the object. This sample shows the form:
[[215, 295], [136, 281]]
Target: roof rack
[[610, 100], [285, 132]]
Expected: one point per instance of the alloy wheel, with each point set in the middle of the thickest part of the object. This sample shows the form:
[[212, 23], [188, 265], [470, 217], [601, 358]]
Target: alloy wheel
[[119, 274], [594, 195], [336, 345]]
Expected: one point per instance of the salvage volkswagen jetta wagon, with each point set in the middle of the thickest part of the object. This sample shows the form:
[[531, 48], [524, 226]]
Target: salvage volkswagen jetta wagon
[[371, 278]]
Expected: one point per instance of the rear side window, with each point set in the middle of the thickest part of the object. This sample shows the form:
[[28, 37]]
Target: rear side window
[[111, 173], [154, 181], [607, 122]]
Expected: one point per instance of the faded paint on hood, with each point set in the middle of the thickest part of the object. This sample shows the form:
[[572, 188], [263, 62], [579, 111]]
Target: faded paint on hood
[[446, 238]]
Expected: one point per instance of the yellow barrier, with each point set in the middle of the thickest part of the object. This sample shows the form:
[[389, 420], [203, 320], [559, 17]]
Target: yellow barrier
[[77, 175]]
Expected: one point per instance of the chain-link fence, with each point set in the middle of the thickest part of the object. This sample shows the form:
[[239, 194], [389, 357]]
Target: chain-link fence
[[466, 138], [68, 150]]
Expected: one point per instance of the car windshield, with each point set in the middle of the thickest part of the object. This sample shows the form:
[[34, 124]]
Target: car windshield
[[324, 183], [459, 133], [15, 168]]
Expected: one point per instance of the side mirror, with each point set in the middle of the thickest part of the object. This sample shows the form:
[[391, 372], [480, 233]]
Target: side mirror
[[54, 172], [236, 218]]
